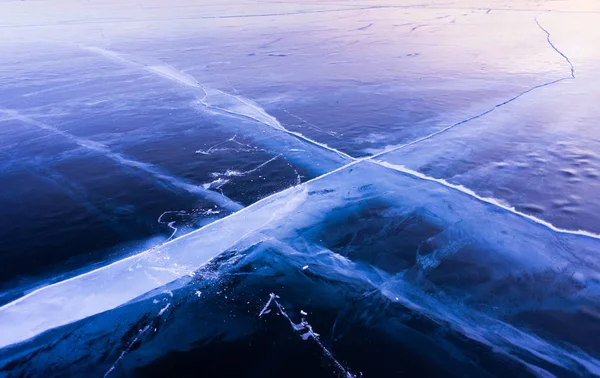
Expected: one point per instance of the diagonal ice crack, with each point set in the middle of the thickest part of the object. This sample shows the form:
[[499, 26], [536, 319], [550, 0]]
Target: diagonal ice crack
[[499, 105], [308, 333], [127, 161], [234, 173], [132, 343], [258, 114], [488, 200], [495, 107], [556, 48], [212, 98]]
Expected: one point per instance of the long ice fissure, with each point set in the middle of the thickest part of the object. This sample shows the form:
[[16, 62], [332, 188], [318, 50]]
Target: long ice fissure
[[255, 112], [497, 106], [124, 160]]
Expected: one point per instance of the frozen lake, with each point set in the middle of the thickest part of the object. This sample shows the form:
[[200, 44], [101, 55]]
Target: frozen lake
[[309, 188]]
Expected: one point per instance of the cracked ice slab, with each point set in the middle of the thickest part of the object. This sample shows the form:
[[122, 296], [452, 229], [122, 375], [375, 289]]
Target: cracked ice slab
[[50, 205], [479, 233], [74, 121], [124, 280], [468, 229]]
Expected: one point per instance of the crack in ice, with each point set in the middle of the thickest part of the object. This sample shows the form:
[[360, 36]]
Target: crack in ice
[[234, 173], [308, 332], [488, 200], [212, 148], [252, 111], [212, 196], [556, 48], [312, 125], [263, 117], [365, 27], [126, 350], [141, 332], [499, 105], [170, 224]]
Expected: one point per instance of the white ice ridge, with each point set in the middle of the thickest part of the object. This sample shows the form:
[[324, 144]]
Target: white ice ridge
[[110, 286], [308, 332], [210, 195], [214, 98], [165, 71], [239, 106], [491, 201]]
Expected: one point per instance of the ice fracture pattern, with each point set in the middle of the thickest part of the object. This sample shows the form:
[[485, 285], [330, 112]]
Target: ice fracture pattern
[[331, 188]]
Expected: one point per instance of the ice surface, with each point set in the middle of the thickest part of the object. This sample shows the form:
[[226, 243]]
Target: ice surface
[[124, 160], [487, 241], [537, 155], [451, 201], [233, 104], [309, 333], [216, 99], [126, 279], [81, 124]]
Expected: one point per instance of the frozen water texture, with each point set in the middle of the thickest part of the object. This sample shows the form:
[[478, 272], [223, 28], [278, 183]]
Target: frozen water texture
[[432, 165], [426, 234]]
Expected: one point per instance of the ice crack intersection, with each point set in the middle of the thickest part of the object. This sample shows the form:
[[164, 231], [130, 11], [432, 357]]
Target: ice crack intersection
[[307, 332]]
